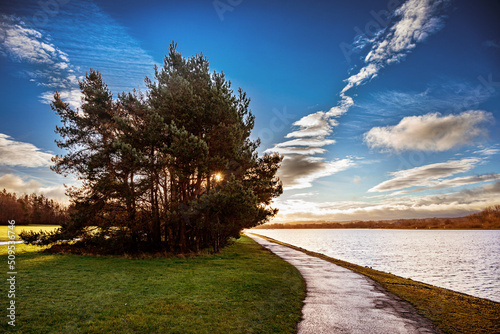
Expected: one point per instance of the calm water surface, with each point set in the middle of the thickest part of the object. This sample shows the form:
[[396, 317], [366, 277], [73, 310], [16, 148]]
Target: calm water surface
[[464, 261]]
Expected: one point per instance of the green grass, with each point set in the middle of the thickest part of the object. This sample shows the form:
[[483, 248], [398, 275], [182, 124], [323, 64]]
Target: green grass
[[451, 311], [244, 289], [4, 234]]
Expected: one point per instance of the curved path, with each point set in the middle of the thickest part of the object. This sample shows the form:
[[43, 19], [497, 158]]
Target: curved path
[[339, 300]]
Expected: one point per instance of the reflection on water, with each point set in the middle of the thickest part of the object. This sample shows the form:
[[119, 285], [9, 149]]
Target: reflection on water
[[464, 261]]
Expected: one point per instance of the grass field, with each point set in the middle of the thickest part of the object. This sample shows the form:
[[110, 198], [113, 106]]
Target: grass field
[[451, 311], [244, 289], [4, 234]]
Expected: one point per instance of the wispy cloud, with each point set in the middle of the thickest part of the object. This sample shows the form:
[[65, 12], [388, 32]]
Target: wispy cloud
[[298, 172], [14, 183], [78, 38], [452, 204], [429, 175], [55, 56], [24, 185], [416, 20], [301, 167], [413, 22], [443, 95], [94, 39], [430, 132], [488, 151], [50, 66], [466, 180], [16, 153]]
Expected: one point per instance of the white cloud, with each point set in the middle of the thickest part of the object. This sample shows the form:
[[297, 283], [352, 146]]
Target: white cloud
[[14, 183], [94, 39], [19, 185], [296, 150], [298, 172], [450, 183], [452, 204], [488, 151], [308, 142], [300, 167], [430, 132], [313, 125], [15, 153], [426, 176], [465, 180], [320, 124], [302, 194], [313, 129], [417, 20], [24, 44], [71, 96], [368, 72]]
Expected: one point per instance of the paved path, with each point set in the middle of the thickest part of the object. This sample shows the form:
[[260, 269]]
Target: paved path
[[339, 300]]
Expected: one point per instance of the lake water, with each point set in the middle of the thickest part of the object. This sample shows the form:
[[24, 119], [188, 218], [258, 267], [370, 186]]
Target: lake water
[[464, 261]]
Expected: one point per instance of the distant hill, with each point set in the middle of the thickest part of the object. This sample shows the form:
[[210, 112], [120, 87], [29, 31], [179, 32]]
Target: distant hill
[[488, 219]]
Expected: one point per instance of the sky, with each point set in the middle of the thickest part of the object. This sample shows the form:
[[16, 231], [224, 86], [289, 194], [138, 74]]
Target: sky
[[381, 109]]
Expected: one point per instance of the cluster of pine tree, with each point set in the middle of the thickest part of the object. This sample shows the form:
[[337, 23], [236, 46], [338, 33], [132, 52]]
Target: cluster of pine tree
[[172, 169], [31, 209]]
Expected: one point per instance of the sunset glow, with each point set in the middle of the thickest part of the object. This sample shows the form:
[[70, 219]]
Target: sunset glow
[[381, 109], [218, 177]]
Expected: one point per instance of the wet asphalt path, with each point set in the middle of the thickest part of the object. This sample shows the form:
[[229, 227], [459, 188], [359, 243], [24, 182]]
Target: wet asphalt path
[[339, 300]]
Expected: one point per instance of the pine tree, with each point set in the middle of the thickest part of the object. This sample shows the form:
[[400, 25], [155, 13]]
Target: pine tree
[[173, 169]]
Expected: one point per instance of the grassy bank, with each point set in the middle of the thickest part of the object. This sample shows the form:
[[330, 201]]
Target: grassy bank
[[4, 234], [244, 289], [451, 311]]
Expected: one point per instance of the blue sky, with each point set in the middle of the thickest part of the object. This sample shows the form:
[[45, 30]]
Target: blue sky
[[382, 109]]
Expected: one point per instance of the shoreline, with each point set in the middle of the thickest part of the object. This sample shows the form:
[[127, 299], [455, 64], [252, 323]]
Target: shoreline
[[373, 228], [461, 261], [450, 311], [341, 300]]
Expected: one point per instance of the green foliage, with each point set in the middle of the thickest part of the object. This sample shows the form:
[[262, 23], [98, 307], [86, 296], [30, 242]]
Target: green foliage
[[148, 162]]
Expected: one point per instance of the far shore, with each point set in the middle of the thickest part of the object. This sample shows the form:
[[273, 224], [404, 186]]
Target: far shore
[[460, 223]]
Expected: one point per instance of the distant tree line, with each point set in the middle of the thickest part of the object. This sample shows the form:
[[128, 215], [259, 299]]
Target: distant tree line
[[172, 169], [489, 218], [31, 209]]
